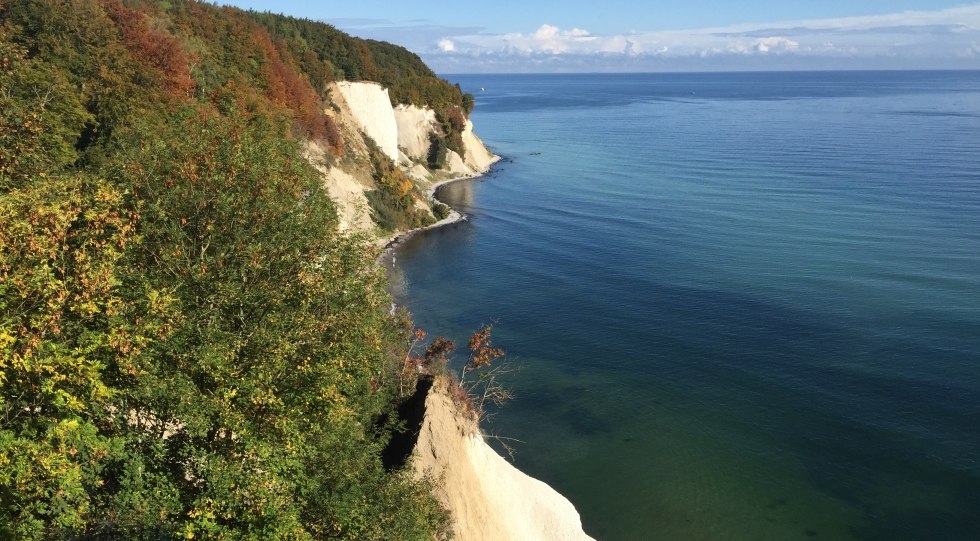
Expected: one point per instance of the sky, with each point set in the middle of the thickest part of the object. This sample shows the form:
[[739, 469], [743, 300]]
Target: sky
[[513, 36]]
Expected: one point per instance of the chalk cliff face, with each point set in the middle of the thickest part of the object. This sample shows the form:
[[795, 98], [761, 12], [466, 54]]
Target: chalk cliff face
[[489, 498], [477, 156], [371, 106], [403, 133], [414, 126], [344, 189]]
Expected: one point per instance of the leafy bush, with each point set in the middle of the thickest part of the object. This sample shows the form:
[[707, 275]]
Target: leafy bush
[[438, 151], [453, 123], [392, 213], [476, 385], [440, 210], [393, 202]]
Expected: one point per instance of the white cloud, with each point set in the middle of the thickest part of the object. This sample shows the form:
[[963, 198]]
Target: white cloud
[[446, 45], [549, 39], [546, 32], [765, 45], [948, 33]]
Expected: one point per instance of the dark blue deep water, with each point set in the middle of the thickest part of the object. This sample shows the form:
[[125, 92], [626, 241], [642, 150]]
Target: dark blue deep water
[[744, 306]]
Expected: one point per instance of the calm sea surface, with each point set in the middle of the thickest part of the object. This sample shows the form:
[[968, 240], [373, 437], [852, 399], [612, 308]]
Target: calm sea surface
[[744, 306]]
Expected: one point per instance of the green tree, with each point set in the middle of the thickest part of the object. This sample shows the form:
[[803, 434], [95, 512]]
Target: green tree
[[62, 327], [187, 345], [269, 381], [41, 117]]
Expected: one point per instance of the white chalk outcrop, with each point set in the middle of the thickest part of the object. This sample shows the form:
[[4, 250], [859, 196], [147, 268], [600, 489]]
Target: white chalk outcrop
[[404, 133], [478, 158], [353, 209], [414, 126], [488, 497], [456, 164], [372, 110], [409, 128]]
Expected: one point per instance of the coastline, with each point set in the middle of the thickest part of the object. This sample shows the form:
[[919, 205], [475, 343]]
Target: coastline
[[489, 498], [389, 244]]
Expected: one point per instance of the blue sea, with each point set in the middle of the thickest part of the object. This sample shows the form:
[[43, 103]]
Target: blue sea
[[743, 306]]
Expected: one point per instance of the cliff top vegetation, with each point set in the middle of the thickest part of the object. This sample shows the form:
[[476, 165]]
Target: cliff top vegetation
[[188, 348]]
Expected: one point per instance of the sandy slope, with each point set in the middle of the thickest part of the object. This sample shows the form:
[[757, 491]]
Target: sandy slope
[[477, 156], [353, 210], [489, 498]]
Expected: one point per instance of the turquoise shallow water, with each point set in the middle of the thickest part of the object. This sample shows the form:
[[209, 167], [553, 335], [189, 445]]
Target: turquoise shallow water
[[744, 306]]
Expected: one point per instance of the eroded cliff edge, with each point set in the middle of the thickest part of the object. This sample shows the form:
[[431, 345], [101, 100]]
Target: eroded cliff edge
[[490, 499]]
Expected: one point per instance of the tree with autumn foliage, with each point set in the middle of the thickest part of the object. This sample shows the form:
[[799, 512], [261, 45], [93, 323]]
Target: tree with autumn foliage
[[65, 327], [480, 379], [188, 347], [160, 51], [393, 202], [475, 385]]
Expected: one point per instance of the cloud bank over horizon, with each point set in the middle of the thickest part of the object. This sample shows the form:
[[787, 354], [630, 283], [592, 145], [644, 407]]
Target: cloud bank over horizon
[[948, 38]]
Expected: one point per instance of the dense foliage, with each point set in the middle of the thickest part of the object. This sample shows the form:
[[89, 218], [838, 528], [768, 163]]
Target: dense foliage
[[326, 53], [393, 202], [188, 348]]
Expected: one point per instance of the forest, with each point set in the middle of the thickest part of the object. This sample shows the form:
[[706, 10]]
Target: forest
[[188, 347]]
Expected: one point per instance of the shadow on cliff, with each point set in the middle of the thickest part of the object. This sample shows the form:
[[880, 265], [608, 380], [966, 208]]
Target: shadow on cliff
[[410, 414]]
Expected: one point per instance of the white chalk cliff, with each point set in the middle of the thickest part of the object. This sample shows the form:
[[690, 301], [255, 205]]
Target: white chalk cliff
[[490, 499], [404, 133], [414, 126], [372, 110], [477, 157]]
